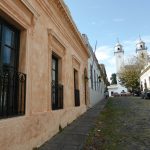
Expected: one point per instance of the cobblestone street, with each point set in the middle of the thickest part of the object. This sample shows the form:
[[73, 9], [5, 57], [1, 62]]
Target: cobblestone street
[[124, 124]]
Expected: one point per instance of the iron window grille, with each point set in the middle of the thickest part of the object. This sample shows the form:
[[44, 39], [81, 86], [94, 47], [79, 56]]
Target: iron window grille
[[12, 93], [56, 89], [76, 91], [12, 82], [57, 96], [77, 97]]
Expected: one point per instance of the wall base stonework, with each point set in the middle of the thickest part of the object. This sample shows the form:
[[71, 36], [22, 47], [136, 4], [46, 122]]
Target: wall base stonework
[[26, 132]]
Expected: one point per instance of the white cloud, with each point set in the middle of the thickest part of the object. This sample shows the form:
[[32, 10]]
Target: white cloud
[[109, 70], [103, 53], [112, 61]]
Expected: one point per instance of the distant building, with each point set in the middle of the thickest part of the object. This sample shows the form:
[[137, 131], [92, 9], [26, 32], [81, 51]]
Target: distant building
[[144, 58], [119, 57], [142, 53], [145, 78], [96, 82]]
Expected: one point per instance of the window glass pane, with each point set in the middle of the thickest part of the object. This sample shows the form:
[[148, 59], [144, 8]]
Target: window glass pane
[[53, 63], [9, 37], [12, 59], [13, 38], [53, 75], [6, 55], [0, 32], [76, 79]]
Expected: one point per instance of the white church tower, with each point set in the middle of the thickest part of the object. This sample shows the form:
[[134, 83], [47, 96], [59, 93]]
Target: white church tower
[[119, 56], [141, 51]]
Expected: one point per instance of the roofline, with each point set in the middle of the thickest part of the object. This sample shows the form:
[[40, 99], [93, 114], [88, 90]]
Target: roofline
[[72, 23]]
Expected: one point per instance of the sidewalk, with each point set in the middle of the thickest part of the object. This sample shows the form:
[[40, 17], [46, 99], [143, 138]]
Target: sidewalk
[[74, 136]]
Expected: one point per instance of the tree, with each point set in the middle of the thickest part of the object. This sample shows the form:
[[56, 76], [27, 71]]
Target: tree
[[130, 74], [103, 74], [113, 79]]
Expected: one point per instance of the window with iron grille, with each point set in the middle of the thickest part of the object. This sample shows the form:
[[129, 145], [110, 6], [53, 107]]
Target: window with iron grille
[[76, 88], [12, 82], [57, 88], [91, 75]]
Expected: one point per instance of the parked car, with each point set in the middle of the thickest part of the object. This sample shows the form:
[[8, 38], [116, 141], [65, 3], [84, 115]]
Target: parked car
[[128, 94], [145, 94], [123, 93], [116, 94], [137, 93]]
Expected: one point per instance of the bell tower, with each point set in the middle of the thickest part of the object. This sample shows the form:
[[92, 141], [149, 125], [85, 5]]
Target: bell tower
[[141, 51], [119, 56]]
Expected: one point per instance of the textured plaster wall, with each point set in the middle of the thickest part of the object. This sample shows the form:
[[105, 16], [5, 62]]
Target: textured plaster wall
[[98, 94], [145, 77], [40, 123]]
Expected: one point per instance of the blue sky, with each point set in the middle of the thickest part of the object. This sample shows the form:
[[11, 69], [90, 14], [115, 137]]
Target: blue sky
[[106, 20]]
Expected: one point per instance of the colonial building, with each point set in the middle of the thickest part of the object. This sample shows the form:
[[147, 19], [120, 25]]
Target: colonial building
[[43, 69], [145, 78], [96, 82], [119, 57], [144, 58]]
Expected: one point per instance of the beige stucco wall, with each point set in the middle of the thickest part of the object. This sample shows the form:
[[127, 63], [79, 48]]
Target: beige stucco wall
[[45, 27]]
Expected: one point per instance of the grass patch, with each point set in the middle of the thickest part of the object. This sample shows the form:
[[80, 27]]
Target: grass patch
[[107, 135]]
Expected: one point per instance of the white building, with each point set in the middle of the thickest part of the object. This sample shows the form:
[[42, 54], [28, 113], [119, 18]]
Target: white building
[[142, 53], [96, 83], [145, 78], [119, 57], [143, 57]]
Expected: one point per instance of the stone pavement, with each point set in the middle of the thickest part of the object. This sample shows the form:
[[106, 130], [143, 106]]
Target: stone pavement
[[124, 125], [74, 136]]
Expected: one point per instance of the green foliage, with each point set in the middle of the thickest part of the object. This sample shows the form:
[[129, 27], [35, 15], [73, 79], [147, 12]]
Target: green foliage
[[103, 74], [129, 76], [113, 79]]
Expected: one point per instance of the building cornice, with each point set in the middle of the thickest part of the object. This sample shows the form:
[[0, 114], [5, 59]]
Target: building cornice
[[45, 5], [30, 8], [75, 62], [119, 52], [72, 24], [11, 9], [20, 11]]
